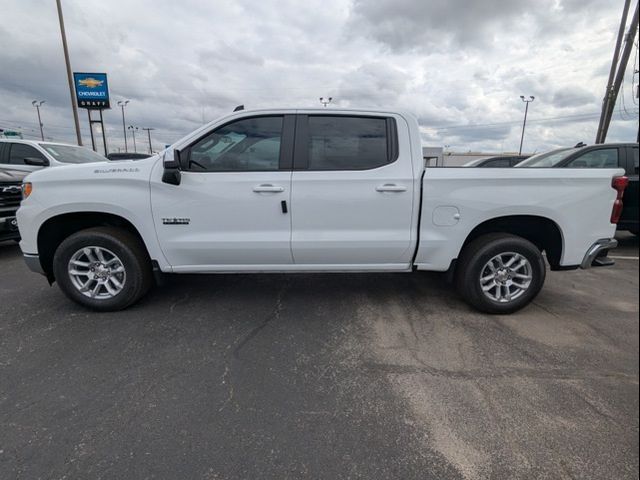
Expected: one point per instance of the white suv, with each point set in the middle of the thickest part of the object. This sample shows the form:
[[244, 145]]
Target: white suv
[[30, 155]]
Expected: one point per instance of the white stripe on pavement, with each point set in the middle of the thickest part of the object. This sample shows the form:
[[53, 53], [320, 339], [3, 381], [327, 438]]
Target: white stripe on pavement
[[623, 258]]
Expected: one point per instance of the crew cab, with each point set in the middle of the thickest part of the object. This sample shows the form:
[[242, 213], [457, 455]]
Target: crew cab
[[313, 190]]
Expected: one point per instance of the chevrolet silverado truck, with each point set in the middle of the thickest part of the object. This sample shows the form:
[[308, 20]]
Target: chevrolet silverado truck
[[313, 191]]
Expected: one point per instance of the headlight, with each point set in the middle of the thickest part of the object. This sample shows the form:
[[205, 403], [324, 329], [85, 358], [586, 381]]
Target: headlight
[[27, 188]]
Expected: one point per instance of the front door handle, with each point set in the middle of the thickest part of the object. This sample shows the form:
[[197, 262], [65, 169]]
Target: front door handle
[[268, 188], [391, 187]]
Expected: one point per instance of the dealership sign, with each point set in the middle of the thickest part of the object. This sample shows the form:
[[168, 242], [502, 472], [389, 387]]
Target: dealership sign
[[92, 90]]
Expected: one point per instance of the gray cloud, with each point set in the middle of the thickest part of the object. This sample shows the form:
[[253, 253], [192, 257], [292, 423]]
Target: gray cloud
[[573, 97], [458, 66]]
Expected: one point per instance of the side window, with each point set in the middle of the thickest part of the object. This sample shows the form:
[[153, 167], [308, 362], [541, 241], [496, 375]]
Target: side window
[[498, 163], [603, 158], [20, 151], [347, 143], [250, 144], [634, 158]]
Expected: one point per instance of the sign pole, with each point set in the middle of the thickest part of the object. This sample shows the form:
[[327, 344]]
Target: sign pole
[[104, 136], [93, 140], [74, 105]]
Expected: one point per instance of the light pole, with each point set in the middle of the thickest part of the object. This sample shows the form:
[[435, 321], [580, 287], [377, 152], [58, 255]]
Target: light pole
[[38, 104], [74, 105], [148, 129], [133, 134], [325, 101], [123, 104], [524, 123]]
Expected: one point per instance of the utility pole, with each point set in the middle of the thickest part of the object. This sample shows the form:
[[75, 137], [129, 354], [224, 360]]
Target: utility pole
[[325, 101], [38, 104], [617, 69], [524, 123], [123, 104], [148, 129], [133, 134], [74, 105]]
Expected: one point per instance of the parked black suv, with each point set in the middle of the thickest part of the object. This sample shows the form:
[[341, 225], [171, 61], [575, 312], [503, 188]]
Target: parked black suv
[[606, 155], [10, 197]]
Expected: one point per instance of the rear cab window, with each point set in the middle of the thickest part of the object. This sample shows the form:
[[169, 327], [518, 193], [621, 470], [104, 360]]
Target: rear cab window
[[343, 142]]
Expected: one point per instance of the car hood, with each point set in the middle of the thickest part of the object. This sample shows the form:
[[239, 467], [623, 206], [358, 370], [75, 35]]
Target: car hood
[[11, 176], [95, 171]]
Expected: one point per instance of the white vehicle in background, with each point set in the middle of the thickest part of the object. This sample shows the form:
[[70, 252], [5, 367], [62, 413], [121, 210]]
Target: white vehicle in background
[[313, 190], [32, 155]]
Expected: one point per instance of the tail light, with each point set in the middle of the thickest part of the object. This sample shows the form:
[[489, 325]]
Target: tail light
[[619, 184]]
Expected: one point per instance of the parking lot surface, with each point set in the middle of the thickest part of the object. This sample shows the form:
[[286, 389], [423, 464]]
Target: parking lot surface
[[321, 376]]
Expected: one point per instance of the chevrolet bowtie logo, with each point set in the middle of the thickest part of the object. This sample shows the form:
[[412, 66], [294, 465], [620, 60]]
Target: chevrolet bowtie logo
[[12, 189], [90, 82]]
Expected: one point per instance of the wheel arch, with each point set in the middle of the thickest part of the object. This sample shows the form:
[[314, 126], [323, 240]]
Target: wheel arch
[[543, 232], [55, 229]]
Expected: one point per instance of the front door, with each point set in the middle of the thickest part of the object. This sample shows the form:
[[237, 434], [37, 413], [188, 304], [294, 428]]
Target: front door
[[230, 210], [352, 193]]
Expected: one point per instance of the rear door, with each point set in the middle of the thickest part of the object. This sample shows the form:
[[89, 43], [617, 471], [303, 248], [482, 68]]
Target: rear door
[[352, 193]]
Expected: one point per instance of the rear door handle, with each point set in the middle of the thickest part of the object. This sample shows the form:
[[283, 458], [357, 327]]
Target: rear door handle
[[268, 188], [391, 187]]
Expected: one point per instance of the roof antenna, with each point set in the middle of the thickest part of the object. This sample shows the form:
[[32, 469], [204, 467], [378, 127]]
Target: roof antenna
[[238, 108], [580, 145]]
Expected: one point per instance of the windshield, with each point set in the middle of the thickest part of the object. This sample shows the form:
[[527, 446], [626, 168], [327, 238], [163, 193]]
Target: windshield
[[546, 160], [71, 154]]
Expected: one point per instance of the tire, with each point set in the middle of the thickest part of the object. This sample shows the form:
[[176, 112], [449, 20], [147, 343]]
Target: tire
[[131, 268], [488, 256]]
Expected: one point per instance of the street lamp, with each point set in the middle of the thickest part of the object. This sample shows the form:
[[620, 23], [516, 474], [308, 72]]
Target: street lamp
[[123, 104], [148, 129], [524, 123], [133, 134], [325, 101], [38, 104]]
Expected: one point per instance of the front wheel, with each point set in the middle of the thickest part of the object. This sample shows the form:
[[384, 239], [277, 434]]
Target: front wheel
[[500, 273], [103, 268]]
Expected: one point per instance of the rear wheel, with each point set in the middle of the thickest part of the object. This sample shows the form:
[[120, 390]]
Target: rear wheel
[[103, 268], [500, 273]]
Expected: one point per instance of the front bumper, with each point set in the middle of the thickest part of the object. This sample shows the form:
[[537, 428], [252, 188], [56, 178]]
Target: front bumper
[[33, 262], [9, 229], [596, 256]]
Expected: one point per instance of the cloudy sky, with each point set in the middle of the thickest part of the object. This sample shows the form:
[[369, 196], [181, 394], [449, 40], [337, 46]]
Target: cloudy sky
[[459, 66]]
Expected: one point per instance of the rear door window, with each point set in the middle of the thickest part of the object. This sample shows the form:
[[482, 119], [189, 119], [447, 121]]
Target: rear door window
[[601, 158], [347, 143]]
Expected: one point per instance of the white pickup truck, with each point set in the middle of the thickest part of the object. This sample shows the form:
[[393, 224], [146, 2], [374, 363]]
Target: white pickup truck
[[315, 190]]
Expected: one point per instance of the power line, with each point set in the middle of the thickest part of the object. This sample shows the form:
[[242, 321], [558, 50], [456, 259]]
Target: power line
[[579, 116]]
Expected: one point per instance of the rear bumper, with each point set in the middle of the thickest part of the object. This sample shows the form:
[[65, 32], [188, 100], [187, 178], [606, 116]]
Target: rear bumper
[[596, 256], [33, 262]]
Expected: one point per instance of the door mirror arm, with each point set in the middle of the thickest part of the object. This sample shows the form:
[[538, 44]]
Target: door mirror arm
[[171, 164]]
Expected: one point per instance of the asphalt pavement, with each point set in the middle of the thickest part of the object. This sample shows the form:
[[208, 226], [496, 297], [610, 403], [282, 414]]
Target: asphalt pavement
[[323, 376]]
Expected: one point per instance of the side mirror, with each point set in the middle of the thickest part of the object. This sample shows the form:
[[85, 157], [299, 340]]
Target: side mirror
[[35, 161], [171, 163]]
